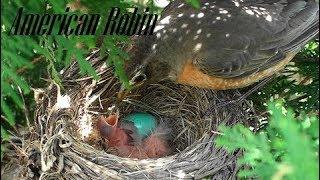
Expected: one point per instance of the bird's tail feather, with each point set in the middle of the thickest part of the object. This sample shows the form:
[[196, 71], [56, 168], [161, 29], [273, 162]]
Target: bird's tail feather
[[303, 26], [298, 43]]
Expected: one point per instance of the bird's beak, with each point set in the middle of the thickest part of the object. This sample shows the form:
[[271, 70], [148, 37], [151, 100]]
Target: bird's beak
[[138, 79], [107, 125]]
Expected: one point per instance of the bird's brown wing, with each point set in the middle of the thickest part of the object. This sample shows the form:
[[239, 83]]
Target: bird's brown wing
[[249, 42]]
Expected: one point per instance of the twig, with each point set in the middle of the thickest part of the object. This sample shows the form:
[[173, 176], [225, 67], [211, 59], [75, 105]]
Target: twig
[[26, 113]]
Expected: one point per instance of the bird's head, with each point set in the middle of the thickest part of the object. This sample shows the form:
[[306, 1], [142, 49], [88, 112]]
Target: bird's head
[[152, 71], [107, 126], [147, 65]]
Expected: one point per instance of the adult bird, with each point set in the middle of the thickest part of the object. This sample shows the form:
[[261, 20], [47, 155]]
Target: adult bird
[[225, 44]]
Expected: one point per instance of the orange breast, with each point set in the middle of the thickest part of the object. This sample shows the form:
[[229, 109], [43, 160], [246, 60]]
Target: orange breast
[[191, 75]]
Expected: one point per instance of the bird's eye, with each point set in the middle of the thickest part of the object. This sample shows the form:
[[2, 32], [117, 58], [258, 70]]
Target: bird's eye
[[139, 78]]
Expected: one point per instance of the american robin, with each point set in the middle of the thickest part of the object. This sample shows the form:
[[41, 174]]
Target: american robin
[[226, 44]]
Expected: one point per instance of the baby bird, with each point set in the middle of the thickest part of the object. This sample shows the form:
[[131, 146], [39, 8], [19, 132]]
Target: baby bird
[[124, 138], [116, 135], [156, 145]]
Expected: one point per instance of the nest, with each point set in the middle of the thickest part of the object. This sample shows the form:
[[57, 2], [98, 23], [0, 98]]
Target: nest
[[60, 144]]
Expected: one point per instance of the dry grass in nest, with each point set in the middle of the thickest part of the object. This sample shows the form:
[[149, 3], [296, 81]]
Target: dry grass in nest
[[58, 146]]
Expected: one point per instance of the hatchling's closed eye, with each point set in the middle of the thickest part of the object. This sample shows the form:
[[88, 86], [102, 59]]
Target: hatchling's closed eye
[[227, 44]]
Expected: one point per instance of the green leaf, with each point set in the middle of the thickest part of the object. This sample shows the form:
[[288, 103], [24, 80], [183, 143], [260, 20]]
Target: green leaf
[[85, 66], [7, 111], [15, 97], [18, 80], [194, 3], [120, 72], [4, 134], [55, 75], [282, 149], [3, 149]]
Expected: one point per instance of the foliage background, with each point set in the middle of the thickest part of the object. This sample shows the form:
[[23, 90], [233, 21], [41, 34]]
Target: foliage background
[[286, 145], [281, 145]]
